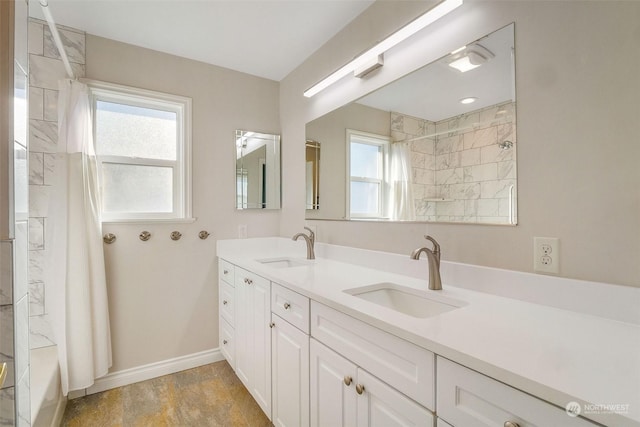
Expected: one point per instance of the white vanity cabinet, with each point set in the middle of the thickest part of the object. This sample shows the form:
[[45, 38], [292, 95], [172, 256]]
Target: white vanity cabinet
[[467, 398], [360, 371], [343, 394], [253, 335], [289, 357]]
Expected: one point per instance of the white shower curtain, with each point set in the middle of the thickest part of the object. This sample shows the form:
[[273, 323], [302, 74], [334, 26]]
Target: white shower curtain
[[79, 313], [401, 206]]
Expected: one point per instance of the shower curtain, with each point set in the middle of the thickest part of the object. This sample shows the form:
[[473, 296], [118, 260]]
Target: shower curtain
[[401, 206], [79, 312]]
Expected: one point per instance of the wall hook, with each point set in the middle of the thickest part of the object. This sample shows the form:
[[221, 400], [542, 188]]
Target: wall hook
[[203, 234], [144, 236], [176, 235], [109, 238]]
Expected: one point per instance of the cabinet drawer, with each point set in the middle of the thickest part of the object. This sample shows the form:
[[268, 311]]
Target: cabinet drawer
[[243, 277], [227, 343], [469, 399], [291, 306], [227, 303], [402, 365], [225, 271]]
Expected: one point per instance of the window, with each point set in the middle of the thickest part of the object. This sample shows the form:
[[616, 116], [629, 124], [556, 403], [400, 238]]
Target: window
[[142, 141], [367, 168]]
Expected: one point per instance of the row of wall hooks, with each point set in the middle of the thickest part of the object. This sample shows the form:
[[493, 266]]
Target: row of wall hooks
[[109, 238]]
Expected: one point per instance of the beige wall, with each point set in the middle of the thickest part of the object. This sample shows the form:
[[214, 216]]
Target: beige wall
[[163, 294], [578, 175]]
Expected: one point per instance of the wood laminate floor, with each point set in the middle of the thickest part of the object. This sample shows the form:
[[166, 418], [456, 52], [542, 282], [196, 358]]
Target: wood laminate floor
[[211, 395]]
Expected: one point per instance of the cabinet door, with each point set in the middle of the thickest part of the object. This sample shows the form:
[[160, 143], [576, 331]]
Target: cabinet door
[[260, 295], [290, 374], [333, 395], [379, 405]]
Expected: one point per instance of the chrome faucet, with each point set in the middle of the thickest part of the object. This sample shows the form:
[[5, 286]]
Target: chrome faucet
[[310, 240], [433, 258]]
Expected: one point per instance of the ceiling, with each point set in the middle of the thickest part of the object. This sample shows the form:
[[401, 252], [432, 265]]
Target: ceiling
[[434, 92], [266, 38]]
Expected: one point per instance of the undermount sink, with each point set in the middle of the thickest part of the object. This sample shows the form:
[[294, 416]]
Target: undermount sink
[[283, 262], [403, 299]]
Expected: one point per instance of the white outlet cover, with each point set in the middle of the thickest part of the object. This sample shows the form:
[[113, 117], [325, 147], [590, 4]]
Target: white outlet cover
[[545, 261]]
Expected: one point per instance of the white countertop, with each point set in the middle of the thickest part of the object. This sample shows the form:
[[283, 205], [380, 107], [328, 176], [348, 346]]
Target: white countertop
[[554, 354]]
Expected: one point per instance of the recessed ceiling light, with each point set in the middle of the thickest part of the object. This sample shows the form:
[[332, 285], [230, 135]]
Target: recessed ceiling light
[[468, 100], [469, 58]]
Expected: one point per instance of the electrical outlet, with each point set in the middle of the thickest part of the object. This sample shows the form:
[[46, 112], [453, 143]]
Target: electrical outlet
[[546, 255], [242, 231]]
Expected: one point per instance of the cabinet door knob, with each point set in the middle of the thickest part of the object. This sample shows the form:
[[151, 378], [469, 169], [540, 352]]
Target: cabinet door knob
[[224, 302], [225, 272], [347, 380], [271, 325], [511, 424], [249, 281], [359, 388], [225, 343], [287, 305]]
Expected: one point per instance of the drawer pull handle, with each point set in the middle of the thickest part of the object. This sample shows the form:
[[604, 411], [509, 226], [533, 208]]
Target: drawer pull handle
[[359, 388], [287, 305], [271, 325], [248, 281], [225, 343], [511, 424], [347, 380], [224, 302]]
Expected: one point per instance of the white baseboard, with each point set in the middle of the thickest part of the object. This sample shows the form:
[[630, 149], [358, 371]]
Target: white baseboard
[[154, 370]]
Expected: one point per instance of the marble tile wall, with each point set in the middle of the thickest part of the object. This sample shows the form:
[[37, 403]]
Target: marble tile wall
[[460, 172], [45, 69]]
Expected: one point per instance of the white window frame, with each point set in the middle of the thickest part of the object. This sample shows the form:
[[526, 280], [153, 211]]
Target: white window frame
[[383, 143], [182, 184]]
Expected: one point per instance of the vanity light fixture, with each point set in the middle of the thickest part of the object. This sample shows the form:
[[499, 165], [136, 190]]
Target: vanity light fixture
[[372, 54], [468, 100]]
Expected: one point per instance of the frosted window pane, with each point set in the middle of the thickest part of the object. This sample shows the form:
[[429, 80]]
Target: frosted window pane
[[125, 130], [364, 198], [134, 188], [365, 160]]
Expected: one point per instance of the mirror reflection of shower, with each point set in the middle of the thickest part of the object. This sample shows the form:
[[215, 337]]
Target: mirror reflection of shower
[[505, 145]]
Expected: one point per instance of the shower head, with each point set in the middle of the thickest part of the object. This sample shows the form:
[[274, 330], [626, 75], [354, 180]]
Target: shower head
[[505, 145]]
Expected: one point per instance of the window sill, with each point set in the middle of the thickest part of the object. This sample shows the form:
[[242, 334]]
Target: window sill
[[152, 221]]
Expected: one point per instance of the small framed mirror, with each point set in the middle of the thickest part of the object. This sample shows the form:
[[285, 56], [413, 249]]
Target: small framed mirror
[[257, 170], [312, 172]]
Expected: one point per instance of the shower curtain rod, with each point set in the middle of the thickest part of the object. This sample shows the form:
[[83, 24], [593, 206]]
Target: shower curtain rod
[[56, 38]]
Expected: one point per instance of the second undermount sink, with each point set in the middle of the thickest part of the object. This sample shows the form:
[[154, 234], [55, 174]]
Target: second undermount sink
[[283, 262], [403, 299]]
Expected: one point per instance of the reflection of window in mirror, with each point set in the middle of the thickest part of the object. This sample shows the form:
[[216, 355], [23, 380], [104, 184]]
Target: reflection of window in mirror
[[367, 165], [241, 188]]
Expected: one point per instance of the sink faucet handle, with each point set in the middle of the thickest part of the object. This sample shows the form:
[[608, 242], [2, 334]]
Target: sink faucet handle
[[436, 246], [312, 235]]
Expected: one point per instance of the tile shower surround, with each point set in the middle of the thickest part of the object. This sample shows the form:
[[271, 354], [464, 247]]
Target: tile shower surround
[[459, 160], [45, 69]]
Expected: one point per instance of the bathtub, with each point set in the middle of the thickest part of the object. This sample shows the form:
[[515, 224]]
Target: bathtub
[[47, 401]]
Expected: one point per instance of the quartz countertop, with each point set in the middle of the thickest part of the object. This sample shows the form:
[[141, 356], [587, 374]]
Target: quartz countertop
[[555, 354]]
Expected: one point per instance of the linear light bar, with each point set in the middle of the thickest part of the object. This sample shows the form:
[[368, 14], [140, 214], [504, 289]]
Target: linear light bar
[[402, 34]]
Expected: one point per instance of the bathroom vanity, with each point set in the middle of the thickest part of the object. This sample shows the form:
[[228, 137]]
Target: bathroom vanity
[[355, 338]]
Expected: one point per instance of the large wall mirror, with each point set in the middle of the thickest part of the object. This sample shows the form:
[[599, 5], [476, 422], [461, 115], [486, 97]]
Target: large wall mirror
[[257, 170], [437, 145]]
